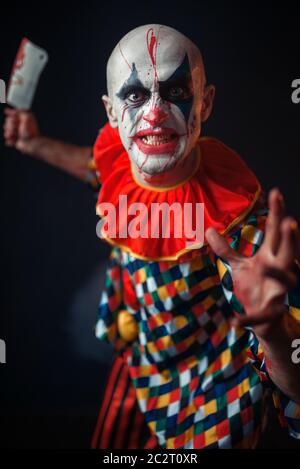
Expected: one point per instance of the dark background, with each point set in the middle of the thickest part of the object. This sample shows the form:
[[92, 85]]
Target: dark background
[[52, 263]]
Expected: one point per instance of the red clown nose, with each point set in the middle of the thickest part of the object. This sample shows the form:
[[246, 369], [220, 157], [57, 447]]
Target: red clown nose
[[155, 117]]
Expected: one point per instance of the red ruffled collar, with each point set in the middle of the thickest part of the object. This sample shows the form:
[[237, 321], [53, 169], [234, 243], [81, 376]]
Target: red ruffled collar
[[222, 181]]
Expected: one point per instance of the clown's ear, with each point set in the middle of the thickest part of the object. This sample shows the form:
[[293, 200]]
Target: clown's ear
[[208, 101], [109, 111]]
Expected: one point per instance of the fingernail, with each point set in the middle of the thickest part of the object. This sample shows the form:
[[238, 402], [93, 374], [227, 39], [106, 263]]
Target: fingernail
[[280, 199], [294, 225]]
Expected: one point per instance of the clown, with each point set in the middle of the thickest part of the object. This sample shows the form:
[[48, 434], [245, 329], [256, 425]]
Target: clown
[[202, 332]]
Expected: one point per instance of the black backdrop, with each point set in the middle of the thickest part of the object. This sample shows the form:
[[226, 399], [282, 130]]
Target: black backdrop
[[52, 264]]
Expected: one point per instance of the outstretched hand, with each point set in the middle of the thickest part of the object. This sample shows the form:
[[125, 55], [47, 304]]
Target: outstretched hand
[[262, 281]]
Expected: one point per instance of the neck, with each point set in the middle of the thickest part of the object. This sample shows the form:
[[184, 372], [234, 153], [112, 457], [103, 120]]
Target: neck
[[170, 178]]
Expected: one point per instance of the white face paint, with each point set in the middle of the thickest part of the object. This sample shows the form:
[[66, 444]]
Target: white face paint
[[155, 80]]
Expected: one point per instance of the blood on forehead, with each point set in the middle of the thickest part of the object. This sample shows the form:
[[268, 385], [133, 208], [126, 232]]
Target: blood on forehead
[[157, 51]]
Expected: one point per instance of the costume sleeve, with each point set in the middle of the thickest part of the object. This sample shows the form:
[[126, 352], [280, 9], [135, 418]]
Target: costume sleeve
[[246, 239], [117, 297], [93, 176]]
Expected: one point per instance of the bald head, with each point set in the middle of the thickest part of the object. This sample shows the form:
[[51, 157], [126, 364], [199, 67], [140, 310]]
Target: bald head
[[153, 47], [157, 96]]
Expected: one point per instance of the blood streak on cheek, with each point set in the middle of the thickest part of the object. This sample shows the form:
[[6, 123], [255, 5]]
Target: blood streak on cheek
[[126, 106], [130, 146], [145, 161]]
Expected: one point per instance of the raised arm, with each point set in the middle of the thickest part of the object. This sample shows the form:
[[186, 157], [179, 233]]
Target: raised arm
[[21, 131], [261, 283]]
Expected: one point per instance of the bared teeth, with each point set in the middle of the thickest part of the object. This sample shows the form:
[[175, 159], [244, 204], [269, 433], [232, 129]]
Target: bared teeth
[[157, 139]]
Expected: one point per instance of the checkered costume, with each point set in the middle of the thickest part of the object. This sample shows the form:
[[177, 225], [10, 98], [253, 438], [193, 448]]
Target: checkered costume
[[197, 381]]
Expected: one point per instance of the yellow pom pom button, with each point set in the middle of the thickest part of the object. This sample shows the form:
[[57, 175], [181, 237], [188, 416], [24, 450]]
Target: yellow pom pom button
[[127, 326]]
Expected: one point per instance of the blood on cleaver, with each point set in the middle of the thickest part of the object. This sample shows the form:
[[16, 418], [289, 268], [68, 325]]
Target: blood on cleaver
[[29, 63]]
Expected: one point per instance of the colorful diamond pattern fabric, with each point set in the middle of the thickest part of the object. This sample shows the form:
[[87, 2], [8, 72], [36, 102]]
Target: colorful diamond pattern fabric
[[200, 383]]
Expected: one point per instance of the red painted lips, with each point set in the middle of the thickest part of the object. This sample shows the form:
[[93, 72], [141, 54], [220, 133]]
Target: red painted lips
[[156, 142]]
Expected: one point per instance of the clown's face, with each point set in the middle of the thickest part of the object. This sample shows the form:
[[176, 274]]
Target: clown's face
[[156, 82]]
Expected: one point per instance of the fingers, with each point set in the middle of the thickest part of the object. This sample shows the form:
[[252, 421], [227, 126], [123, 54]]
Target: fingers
[[281, 236], [9, 111], [19, 127], [276, 211], [259, 319], [220, 246], [10, 128], [24, 127], [289, 244], [286, 278], [28, 127]]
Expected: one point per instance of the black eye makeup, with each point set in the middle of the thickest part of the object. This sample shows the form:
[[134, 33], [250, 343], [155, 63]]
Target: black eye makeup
[[179, 90], [134, 94], [133, 91]]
